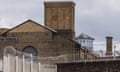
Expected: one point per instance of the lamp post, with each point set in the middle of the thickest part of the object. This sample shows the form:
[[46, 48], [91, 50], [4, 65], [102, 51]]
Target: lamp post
[[114, 51]]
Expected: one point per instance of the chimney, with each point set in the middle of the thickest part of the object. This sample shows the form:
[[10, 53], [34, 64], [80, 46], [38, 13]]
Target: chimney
[[109, 45]]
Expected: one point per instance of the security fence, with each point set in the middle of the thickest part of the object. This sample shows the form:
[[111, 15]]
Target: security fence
[[15, 61]]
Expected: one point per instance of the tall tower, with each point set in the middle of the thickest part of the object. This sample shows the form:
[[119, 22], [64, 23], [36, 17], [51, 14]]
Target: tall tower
[[60, 16]]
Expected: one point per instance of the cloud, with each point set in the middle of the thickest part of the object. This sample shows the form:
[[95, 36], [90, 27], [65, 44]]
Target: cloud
[[99, 45], [98, 18], [14, 12]]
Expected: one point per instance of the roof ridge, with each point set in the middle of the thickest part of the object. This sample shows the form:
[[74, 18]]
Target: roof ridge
[[84, 35]]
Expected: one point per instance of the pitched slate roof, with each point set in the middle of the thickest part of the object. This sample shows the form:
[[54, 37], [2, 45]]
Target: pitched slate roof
[[2, 30], [30, 26], [84, 36]]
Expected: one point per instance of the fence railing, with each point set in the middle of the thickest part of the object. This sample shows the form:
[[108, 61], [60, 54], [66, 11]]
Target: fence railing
[[106, 54]]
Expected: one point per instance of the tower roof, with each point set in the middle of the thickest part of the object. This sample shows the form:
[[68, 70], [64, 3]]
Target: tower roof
[[84, 36]]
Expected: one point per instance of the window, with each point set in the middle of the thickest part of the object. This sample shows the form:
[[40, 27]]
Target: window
[[30, 50], [83, 41]]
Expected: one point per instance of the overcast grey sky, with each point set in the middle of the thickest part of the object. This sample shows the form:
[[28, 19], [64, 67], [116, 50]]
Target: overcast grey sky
[[96, 18]]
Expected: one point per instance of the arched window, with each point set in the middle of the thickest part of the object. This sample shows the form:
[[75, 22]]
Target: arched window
[[30, 50]]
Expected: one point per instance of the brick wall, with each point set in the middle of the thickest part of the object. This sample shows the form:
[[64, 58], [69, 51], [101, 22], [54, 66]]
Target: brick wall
[[60, 16], [46, 43], [101, 66]]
